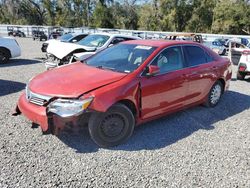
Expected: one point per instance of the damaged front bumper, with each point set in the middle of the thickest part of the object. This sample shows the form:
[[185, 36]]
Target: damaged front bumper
[[52, 62], [49, 122]]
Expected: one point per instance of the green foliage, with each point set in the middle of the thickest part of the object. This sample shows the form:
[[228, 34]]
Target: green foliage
[[217, 16], [231, 17], [102, 16]]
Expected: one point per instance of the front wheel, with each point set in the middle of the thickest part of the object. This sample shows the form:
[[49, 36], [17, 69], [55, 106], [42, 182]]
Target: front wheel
[[113, 127], [214, 94]]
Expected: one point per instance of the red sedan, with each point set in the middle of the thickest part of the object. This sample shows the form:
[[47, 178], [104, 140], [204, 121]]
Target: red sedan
[[125, 85]]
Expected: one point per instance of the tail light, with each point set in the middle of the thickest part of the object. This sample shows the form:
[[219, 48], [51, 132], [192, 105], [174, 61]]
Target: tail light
[[242, 67]]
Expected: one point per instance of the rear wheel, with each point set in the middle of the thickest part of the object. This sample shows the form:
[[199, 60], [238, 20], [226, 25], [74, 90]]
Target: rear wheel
[[214, 94], [240, 76], [4, 56], [113, 127]]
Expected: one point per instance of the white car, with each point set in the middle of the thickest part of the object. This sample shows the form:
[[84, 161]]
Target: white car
[[9, 48], [60, 53], [69, 37], [244, 65]]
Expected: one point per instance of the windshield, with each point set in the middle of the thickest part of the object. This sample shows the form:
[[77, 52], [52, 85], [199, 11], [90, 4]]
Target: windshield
[[121, 58], [94, 40], [65, 37]]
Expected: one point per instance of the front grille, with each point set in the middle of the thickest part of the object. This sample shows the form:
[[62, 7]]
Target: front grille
[[36, 98], [38, 101]]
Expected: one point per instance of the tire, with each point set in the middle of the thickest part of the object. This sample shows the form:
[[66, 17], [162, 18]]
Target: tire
[[240, 76], [113, 127], [4, 56], [214, 94]]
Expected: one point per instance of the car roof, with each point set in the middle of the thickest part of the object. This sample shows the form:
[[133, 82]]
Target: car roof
[[115, 35], [159, 43], [77, 34], [182, 34]]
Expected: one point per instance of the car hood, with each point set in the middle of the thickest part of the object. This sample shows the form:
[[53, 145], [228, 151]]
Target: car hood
[[62, 49], [72, 80]]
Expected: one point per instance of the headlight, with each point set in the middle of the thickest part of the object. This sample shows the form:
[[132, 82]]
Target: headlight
[[68, 107]]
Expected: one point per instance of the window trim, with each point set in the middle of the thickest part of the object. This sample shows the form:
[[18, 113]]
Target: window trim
[[183, 57], [204, 51], [184, 61]]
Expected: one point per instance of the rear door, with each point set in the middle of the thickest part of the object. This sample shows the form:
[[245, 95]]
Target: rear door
[[201, 72], [166, 91]]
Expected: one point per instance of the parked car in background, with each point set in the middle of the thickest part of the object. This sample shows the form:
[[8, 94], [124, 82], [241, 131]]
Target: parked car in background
[[244, 65], [235, 49], [15, 31], [38, 33], [69, 37], [125, 85], [245, 41], [55, 32], [217, 46], [185, 36], [82, 49], [9, 48]]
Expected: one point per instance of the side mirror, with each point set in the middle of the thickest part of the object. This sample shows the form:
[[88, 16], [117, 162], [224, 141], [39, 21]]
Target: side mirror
[[153, 70], [74, 40]]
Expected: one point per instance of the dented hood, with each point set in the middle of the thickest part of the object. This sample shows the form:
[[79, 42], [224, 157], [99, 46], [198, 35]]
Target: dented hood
[[72, 80], [62, 49]]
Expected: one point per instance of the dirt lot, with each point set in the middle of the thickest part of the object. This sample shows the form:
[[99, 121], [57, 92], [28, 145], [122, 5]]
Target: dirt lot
[[198, 147]]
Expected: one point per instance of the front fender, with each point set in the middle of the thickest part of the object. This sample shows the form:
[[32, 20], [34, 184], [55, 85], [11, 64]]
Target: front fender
[[106, 96]]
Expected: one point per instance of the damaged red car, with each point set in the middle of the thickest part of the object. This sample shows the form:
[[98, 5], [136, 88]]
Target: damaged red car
[[124, 86]]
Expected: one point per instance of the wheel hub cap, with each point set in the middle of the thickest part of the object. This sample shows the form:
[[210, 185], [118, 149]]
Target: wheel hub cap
[[112, 125], [215, 94]]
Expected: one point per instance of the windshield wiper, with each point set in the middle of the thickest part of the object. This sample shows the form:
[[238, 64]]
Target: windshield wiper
[[102, 67]]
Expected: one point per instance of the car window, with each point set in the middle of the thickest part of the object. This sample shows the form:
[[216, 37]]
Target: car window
[[208, 57], [121, 57], [94, 40], [194, 55], [169, 60], [117, 40], [78, 37], [66, 37]]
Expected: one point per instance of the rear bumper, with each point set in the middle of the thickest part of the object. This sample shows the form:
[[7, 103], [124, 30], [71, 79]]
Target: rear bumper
[[16, 51], [244, 67]]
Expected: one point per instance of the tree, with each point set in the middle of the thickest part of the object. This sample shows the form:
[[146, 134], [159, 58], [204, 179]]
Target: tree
[[149, 16], [102, 16], [175, 14], [231, 17], [202, 16]]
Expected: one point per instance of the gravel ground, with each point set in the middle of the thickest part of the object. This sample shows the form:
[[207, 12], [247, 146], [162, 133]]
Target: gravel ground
[[198, 147]]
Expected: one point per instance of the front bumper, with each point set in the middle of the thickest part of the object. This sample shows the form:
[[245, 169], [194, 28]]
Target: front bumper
[[51, 61], [35, 113], [50, 64], [49, 122]]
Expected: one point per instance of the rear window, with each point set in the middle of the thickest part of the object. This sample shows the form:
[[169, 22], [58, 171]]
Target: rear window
[[195, 55]]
